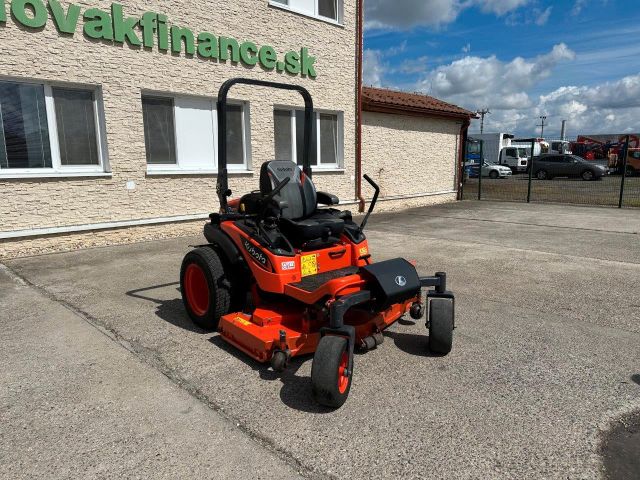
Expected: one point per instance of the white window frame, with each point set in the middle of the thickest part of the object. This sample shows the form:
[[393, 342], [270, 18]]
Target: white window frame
[[315, 14], [57, 169], [177, 169], [339, 165]]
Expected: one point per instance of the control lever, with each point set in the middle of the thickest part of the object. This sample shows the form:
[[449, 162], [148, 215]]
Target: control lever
[[268, 198], [373, 202]]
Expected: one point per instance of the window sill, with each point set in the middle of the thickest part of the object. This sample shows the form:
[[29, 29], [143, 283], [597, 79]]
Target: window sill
[[327, 170], [305, 14], [169, 172], [26, 176]]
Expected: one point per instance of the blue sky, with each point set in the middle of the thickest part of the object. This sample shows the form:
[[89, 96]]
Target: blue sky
[[577, 60]]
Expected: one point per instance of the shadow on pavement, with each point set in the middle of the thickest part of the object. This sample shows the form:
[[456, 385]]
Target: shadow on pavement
[[412, 343], [171, 311], [296, 390], [620, 447], [636, 378]]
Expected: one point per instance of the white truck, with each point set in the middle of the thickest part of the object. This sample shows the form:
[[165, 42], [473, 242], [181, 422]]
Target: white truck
[[497, 148], [540, 146]]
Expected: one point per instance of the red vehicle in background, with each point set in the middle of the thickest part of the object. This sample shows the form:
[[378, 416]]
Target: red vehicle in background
[[612, 152]]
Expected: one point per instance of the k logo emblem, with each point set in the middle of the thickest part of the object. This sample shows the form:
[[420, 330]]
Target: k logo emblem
[[401, 281]]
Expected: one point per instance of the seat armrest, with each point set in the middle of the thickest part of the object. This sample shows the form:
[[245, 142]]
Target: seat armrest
[[327, 199]]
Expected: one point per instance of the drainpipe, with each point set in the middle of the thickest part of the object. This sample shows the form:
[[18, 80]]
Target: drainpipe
[[360, 48], [461, 149]]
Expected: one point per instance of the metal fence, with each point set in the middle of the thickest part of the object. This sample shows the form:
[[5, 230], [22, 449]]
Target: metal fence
[[561, 171]]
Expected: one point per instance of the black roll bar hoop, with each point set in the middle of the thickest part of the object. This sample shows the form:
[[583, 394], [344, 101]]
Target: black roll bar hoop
[[222, 188]]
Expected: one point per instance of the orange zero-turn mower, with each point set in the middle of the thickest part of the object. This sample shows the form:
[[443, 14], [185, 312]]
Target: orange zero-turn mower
[[281, 276]]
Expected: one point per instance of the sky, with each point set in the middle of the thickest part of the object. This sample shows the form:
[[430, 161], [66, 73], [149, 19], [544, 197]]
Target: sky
[[574, 60]]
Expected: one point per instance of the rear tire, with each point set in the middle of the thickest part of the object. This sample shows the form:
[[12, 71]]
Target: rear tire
[[630, 172], [440, 325], [493, 174], [542, 175], [205, 286], [329, 384]]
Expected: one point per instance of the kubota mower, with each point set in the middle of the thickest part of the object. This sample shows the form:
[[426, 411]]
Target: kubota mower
[[281, 276]]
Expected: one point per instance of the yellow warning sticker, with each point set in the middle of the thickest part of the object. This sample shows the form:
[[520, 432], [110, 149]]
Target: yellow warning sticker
[[364, 251], [242, 321], [309, 265]]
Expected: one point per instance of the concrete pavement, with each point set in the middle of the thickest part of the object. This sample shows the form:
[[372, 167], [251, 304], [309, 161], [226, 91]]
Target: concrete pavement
[[75, 404], [546, 346]]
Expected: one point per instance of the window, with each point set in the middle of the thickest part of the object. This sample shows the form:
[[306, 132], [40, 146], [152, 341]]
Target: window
[[47, 129], [326, 137], [181, 134], [323, 9]]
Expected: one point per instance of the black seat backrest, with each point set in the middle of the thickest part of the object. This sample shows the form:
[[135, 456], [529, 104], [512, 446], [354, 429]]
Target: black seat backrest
[[299, 193]]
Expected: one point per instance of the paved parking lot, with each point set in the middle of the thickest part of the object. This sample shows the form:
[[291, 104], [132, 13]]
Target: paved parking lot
[[545, 360]]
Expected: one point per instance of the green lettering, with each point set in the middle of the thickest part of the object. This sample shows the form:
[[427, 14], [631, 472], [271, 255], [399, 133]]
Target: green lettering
[[97, 24], [123, 27], [163, 33], [37, 9], [3, 12], [207, 45], [227, 44], [249, 53], [268, 57], [64, 23], [148, 23], [292, 62], [177, 35], [307, 63]]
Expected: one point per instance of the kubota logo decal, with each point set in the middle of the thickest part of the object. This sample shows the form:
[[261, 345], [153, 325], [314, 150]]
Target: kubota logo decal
[[401, 281], [259, 257]]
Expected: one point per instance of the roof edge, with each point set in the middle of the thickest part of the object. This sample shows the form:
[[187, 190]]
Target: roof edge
[[383, 107]]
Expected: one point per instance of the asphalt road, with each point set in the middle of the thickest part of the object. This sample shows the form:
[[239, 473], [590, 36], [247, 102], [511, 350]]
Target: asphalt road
[[545, 353]]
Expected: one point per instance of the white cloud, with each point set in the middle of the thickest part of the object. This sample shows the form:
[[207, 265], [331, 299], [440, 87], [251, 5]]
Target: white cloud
[[476, 81], [543, 17], [577, 7], [610, 107], [466, 48], [431, 13], [372, 68]]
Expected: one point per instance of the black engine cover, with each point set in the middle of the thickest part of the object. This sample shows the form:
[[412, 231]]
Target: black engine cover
[[392, 281]]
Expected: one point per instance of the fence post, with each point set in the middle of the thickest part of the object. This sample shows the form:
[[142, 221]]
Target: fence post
[[530, 167], [624, 171], [480, 169]]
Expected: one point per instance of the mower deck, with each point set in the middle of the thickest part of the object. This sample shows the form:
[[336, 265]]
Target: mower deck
[[293, 327]]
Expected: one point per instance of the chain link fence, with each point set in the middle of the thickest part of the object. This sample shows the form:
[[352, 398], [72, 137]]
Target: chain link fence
[[583, 171]]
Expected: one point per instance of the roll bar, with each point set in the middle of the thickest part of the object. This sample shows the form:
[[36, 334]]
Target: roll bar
[[222, 188]]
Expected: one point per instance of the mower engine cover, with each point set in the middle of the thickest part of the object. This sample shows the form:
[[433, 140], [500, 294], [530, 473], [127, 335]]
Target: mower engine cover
[[392, 281]]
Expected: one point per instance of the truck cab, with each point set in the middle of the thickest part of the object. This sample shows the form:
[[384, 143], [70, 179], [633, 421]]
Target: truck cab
[[515, 158]]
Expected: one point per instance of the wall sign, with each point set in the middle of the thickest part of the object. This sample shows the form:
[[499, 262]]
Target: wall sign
[[153, 30]]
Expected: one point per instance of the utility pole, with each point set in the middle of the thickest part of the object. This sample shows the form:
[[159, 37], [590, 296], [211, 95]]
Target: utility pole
[[563, 131], [543, 118], [482, 113]]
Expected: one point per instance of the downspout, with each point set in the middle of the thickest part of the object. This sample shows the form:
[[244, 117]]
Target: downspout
[[359, 53], [461, 149]]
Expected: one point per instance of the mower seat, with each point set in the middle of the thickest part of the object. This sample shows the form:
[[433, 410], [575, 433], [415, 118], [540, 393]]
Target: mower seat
[[304, 225]]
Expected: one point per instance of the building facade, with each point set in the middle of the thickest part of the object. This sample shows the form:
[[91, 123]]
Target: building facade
[[108, 118]]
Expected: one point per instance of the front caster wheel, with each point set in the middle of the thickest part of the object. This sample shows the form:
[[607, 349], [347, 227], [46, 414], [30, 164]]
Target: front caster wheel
[[440, 325], [279, 361], [330, 375]]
